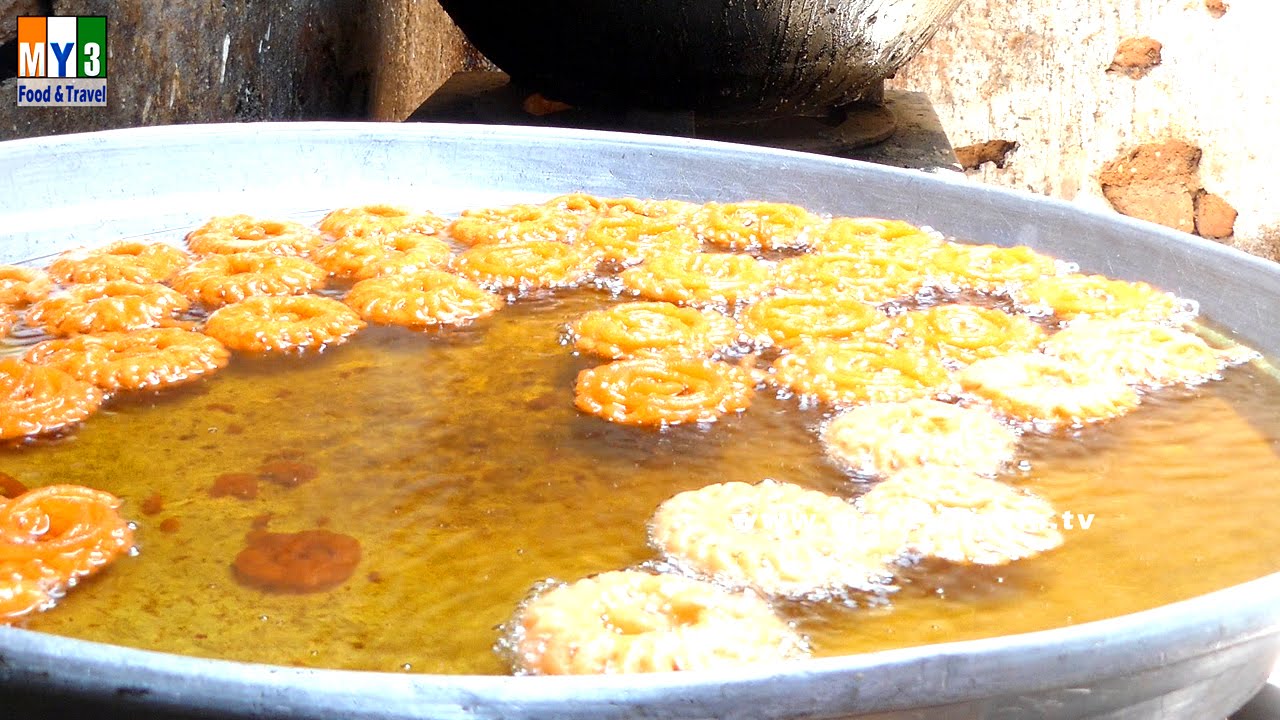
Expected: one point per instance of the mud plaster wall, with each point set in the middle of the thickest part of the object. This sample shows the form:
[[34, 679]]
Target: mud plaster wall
[[1044, 75]]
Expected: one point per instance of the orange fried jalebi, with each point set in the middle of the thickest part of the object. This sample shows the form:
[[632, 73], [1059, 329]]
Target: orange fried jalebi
[[283, 323], [362, 256], [21, 286], [586, 207], [36, 399], [130, 260], [25, 588], [379, 219], [639, 327], [218, 280], [880, 439], [775, 538], [855, 371], [1078, 296], [116, 305], [630, 239], [531, 265], [691, 277], [665, 389], [628, 621], [854, 231], [748, 226], [669, 209], [135, 360], [8, 318], [1039, 388], [989, 268], [429, 298], [967, 333], [243, 233], [1142, 352], [950, 514], [52, 536], [518, 223], [785, 320], [869, 278], [872, 236]]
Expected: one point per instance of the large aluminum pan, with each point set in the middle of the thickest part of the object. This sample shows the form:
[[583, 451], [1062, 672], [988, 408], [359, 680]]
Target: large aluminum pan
[[1198, 659]]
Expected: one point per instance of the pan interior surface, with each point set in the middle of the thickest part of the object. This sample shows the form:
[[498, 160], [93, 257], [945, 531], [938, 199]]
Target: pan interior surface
[[465, 506]]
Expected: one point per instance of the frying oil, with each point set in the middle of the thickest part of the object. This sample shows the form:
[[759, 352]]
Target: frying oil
[[460, 464]]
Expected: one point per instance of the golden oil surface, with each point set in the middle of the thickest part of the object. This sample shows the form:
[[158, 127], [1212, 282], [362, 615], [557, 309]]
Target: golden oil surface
[[461, 465]]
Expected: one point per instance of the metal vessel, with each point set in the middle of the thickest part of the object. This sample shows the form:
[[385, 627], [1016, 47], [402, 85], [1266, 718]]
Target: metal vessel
[[1196, 659], [771, 56]]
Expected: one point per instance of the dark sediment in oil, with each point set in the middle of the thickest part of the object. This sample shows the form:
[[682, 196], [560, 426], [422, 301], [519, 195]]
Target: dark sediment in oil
[[460, 464]]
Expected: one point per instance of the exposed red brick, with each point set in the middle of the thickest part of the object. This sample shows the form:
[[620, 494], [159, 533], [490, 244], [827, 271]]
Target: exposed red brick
[[1136, 56], [1157, 182], [992, 151], [1216, 8], [1215, 218]]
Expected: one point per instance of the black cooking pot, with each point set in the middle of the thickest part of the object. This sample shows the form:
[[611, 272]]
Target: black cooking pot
[[769, 56]]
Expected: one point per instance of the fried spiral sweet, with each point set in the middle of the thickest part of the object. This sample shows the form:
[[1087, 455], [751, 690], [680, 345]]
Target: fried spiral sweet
[[1039, 388], [586, 207], [868, 278], [677, 210], [524, 266], [142, 359], [666, 389], [217, 280], [880, 439], [36, 399], [968, 333], [874, 236], [789, 319], [283, 323], [704, 278], [230, 234], [775, 538], [855, 231], [112, 306], [989, 268], [428, 298], [25, 588], [628, 621], [378, 219], [52, 536], [518, 223], [1142, 352], [953, 515], [1083, 296], [8, 318], [638, 327], [131, 260], [630, 239], [367, 255], [746, 226], [21, 286], [856, 371]]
